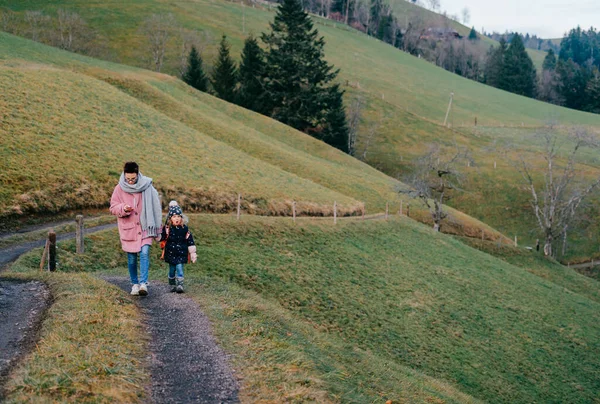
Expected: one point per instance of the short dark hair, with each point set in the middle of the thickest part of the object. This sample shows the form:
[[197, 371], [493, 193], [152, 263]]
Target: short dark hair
[[131, 167]]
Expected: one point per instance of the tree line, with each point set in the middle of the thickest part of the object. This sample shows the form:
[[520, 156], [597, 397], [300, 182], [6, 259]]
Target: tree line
[[289, 81], [572, 78], [66, 30]]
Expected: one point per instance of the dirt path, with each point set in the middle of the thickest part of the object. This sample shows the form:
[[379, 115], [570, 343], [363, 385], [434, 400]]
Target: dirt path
[[11, 253], [22, 306], [185, 362]]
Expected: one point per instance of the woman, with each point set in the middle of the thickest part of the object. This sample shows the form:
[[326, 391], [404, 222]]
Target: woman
[[136, 204]]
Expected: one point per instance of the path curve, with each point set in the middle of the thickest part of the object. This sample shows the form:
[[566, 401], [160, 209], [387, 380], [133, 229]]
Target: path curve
[[11, 253], [186, 364]]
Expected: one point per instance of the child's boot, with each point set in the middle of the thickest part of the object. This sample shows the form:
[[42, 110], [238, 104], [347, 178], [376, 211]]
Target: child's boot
[[179, 288], [173, 284]]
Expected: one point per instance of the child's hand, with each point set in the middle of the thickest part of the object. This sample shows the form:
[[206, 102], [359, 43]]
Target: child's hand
[[193, 257]]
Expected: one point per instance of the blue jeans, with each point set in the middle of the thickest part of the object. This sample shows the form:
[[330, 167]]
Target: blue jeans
[[175, 267], [144, 264]]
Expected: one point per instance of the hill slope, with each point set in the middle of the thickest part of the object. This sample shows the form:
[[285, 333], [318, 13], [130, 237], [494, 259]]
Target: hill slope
[[369, 311], [71, 121], [405, 101]]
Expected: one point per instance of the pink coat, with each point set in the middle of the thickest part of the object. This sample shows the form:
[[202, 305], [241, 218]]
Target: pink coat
[[130, 230]]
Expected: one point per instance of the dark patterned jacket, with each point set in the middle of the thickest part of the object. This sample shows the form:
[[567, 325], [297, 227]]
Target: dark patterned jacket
[[178, 241]]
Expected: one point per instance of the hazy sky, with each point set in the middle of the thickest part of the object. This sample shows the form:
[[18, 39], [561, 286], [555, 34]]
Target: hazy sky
[[545, 18]]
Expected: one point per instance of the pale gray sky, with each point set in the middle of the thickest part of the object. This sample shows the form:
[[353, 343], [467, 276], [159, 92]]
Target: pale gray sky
[[545, 18]]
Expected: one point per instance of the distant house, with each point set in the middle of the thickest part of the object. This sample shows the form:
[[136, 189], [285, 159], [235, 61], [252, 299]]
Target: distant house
[[440, 33]]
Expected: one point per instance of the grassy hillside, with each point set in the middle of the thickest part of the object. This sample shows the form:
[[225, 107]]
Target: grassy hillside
[[369, 311], [67, 134], [73, 120], [406, 100]]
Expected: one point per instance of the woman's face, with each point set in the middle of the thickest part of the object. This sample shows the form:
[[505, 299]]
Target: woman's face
[[176, 220], [131, 178]]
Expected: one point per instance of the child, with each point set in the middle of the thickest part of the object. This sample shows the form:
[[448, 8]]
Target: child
[[178, 243]]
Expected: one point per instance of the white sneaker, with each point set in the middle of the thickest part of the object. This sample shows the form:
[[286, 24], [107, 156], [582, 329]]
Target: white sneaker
[[135, 289], [143, 289]]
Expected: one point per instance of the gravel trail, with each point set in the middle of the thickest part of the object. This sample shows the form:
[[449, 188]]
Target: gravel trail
[[186, 364], [22, 306]]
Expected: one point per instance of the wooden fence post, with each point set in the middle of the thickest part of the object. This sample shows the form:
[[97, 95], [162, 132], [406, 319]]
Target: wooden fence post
[[79, 234], [516, 241], [51, 251], [334, 212], [482, 235], [44, 255], [387, 209], [294, 210], [239, 206], [363, 211], [400, 213]]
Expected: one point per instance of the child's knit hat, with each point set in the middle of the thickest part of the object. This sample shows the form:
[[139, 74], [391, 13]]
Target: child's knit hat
[[175, 210]]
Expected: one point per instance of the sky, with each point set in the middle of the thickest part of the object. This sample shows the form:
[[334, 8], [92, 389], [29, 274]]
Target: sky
[[545, 18]]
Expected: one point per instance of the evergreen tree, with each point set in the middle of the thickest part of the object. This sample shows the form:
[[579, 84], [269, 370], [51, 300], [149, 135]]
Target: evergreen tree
[[593, 92], [549, 61], [194, 75], [251, 91], [340, 6], [375, 16], [224, 75], [297, 76], [335, 131], [518, 73], [495, 64], [473, 35], [572, 82]]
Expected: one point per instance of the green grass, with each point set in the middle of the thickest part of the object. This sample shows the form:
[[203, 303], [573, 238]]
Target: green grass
[[409, 95], [362, 312], [88, 346], [198, 149], [42, 233]]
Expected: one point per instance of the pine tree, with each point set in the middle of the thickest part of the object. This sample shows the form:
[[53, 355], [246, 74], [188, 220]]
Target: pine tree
[[473, 35], [194, 75], [335, 131], [518, 73], [593, 92], [251, 92], [549, 61], [297, 76], [494, 64], [224, 75], [571, 83]]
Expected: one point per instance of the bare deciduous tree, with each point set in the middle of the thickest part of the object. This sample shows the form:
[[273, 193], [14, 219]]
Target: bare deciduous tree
[[434, 4], [555, 202], [35, 20], [466, 15], [71, 29], [412, 35], [158, 29], [199, 40], [372, 132], [8, 20], [354, 115], [436, 175]]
